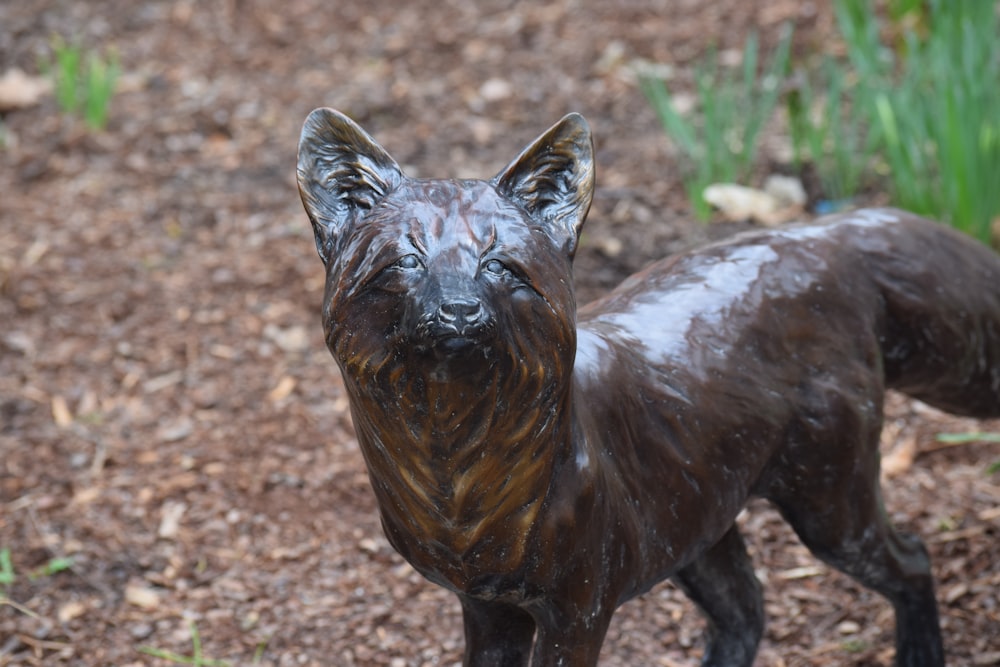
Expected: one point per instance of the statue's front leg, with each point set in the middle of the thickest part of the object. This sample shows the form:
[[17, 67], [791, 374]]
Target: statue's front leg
[[496, 634]]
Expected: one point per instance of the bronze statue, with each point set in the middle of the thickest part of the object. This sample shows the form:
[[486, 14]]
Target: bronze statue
[[547, 464]]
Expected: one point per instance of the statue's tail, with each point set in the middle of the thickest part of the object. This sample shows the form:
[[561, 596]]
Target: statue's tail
[[941, 293]]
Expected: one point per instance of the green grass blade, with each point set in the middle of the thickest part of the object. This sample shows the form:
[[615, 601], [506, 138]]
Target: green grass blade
[[750, 53], [7, 576], [675, 125], [66, 75], [196, 659], [53, 566], [966, 438]]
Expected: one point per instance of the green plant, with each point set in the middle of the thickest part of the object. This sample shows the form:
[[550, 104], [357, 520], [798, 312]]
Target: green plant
[[826, 118], [963, 438], [733, 107], [53, 566], [934, 105], [101, 78], [196, 658], [64, 70], [84, 83], [7, 576], [898, 9], [977, 436], [258, 653], [854, 645]]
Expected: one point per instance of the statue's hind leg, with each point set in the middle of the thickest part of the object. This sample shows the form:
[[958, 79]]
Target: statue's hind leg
[[855, 537], [832, 498]]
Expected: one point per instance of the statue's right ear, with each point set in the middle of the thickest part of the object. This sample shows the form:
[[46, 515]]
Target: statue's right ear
[[342, 173]]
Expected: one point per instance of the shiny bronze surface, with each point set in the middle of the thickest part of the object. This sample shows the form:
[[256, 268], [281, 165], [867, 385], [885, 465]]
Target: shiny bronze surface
[[548, 464]]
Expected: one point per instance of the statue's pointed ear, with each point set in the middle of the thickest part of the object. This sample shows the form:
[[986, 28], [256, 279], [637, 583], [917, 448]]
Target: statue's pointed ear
[[342, 172], [553, 179]]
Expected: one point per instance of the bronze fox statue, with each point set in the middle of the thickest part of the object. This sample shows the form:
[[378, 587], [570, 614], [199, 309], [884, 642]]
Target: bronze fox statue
[[547, 464]]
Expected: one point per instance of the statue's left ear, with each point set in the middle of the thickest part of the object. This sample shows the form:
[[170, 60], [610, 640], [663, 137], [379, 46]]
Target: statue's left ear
[[553, 179]]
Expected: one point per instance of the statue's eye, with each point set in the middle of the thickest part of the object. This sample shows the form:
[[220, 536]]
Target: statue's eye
[[410, 261], [496, 267]]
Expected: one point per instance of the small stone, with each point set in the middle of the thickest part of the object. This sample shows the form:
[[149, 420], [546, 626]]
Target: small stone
[[175, 431], [787, 189], [19, 90], [291, 339], [140, 631], [494, 90], [848, 628]]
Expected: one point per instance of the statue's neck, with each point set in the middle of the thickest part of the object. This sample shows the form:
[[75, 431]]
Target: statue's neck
[[461, 459]]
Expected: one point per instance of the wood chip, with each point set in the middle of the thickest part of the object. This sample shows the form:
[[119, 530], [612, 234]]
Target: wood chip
[[19, 90], [282, 390], [991, 658], [989, 514], [170, 519], [86, 495], [67, 612], [900, 458], [161, 382], [223, 351], [142, 596], [175, 431], [956, 592], [801, 572], [60, 412], [955, 535]]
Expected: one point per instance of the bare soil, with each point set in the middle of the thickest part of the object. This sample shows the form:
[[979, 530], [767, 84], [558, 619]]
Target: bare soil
[[169, 417]]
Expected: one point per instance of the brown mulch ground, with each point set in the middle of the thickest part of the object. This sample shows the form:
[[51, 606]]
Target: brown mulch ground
[[169, 417]]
